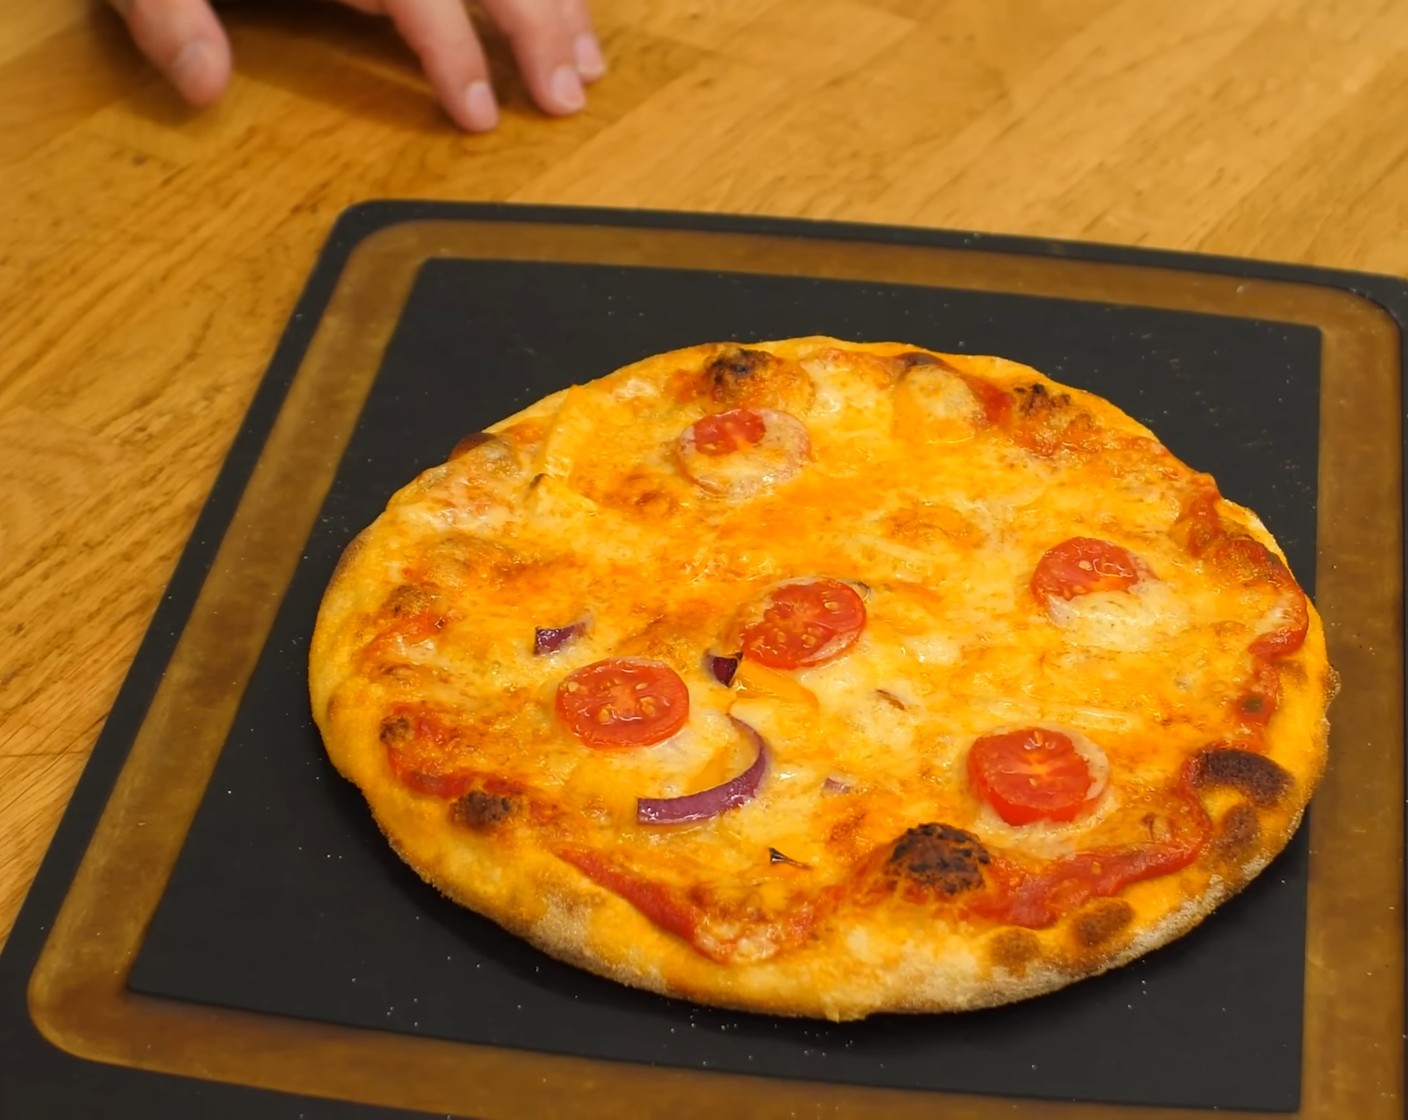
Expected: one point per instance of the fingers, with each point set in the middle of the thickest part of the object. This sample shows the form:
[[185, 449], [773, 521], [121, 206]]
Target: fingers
[[185, 41], [586, 51], [552, 40], [440, 33], [556, 51]]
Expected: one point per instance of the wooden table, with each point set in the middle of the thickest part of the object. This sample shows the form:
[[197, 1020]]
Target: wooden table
[[149, 256]]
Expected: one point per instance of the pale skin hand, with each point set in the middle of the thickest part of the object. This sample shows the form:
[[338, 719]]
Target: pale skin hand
[[552, 41]]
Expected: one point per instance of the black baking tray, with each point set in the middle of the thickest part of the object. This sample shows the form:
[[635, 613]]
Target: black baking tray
[[285, 901]]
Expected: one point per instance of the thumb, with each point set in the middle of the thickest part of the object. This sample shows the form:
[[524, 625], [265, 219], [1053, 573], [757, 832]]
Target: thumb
[[184, 40]]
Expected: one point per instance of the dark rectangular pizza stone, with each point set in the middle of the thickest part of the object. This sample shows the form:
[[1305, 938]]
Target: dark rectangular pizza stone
[[287, 900]]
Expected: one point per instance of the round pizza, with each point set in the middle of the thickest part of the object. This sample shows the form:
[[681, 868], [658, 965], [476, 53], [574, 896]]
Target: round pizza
[[824, 679]]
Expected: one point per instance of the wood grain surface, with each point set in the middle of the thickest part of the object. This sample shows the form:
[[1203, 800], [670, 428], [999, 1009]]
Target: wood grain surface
[[150, 255]]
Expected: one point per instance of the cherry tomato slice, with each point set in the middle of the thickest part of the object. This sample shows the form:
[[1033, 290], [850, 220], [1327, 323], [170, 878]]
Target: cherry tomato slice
[[808, 622], [623, 702], [1082, 565], [725, 432], [1029, 775]]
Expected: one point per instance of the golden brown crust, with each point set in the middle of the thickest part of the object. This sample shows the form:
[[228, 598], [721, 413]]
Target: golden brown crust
[[385, 667], [745, 377]]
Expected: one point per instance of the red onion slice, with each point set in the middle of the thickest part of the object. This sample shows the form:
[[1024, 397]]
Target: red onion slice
[[709, 802], [552, 639], [723, 668]]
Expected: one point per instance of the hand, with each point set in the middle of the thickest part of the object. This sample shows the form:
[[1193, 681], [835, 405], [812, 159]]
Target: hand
[[552, 40]]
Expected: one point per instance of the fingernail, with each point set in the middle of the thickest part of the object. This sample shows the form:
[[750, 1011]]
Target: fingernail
[[190, 70], [480, 106], [566, 89], [590, 64]]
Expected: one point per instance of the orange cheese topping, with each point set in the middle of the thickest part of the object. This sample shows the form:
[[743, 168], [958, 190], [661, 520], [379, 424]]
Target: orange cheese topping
[[933, 487]]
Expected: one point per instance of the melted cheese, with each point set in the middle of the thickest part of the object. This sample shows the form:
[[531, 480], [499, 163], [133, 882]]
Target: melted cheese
[[1149, 615], [943, 531], [935, 405]]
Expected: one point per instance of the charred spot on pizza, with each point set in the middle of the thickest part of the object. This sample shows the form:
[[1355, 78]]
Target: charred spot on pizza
[[1100, 921], [1051, 421], [735, 365], [739, 377], [774, 856], [1037, 400], [908, 361], [1014, 949], [736, 376], [938, 857], [1253, 705], [397, 731], [469, 443], [481, 810], [1238, 834], [1254, 776]]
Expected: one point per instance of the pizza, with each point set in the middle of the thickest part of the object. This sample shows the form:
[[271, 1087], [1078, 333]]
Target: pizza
[[823, 679]]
